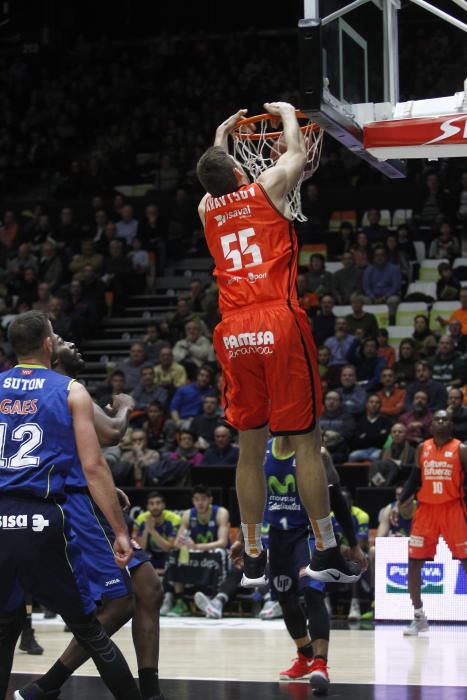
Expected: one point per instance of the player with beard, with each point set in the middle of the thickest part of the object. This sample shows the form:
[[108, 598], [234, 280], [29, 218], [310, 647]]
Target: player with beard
[[109, 584]]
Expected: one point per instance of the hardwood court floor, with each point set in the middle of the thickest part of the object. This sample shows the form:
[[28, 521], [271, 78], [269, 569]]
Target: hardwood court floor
[[380, 664]]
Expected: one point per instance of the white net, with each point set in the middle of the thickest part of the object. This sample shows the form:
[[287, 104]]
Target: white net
[[259, 151]]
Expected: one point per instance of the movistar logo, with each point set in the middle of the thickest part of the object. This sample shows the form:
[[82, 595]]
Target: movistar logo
[[204, 539], [276, 486]]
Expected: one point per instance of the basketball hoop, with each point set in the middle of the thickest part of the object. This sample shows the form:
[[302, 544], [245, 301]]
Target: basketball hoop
[[260, 149]]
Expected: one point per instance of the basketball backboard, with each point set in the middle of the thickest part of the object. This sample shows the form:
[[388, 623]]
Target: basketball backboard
[[350, 76]]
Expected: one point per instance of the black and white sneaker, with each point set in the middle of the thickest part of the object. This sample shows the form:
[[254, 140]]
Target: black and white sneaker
[[32, 691], [254, 570], [329, 566]]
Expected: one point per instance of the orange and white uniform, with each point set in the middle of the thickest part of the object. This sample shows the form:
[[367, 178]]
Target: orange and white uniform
[[264, 342], [441, 508]]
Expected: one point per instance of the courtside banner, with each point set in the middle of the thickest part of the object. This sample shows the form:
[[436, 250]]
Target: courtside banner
[[444, 583]]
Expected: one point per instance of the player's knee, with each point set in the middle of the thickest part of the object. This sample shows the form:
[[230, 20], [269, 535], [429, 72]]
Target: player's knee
[[148, 588]]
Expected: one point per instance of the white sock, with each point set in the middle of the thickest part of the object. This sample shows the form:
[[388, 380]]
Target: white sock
[[324, 533], [419, 612], [252, 539]]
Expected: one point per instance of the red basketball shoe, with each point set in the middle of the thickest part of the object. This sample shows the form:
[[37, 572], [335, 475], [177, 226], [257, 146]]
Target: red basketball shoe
[[300, 668]]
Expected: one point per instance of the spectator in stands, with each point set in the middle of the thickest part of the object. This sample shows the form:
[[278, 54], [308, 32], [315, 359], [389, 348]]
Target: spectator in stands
[[44, 295], [139, 458], [97, 230], [23, 258], [382, 282], [337, 427], [316, 213], [167, 175], [9, 231], [405, 243], [369, 365], [102, 245], [93, 287], [361, 251], [153, 343], [341, 345], [168, 372], [26, 286], [455, 331], [458, 314], [324, 357], [361, 323], [197, 297], [317, 279], [186, 450], [448, 286], [156, 529], [447, 365], [374, 232], [115, 384], [132, 366], [392, 397], [153, 232], [346, 239], [127, 227], [50, 265], [461, 199], [141, 264], [324, 319], [68, 231], [398, 257], [187, 401], [425, 341], [436, 391], [347, 281], [417, 419], [458, 413], [202, 539], [395, 457], [222, 452], [445, 245], [353, 396], [61, 322], [204, 425], [384, 349], [118, 273], [177, 321], [161, 431], [147, 391], [39, 232], [432, 203], [371, 432], [88, 256], [194, 350]]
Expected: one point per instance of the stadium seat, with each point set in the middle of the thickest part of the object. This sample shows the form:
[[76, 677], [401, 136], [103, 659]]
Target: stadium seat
[[380, 311], [401, 216], [420, 249], [339, 216], [460, 267], [426, 288], [385, 219], [429, 270], [333, 266], [443, 309], [407, 310], [342, 310], [396, 334], [308, 249]]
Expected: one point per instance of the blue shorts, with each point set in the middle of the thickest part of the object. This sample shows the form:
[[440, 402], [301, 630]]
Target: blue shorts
[[289, 551], [39, 554], [105, 577]]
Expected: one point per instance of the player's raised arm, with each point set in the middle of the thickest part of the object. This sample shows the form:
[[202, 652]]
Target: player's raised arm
[[284, 175], [96, 470], [110, 429]]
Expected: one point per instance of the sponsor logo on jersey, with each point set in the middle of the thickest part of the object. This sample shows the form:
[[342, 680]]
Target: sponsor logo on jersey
[[223, 218], [432, 578], [248, 340], [282, 583], [112, 582], [288, 485], [21, 522], [26, 372], [251, 277], [20, 408]]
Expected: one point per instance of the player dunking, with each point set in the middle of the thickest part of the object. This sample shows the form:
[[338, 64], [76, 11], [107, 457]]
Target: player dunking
[[264, 342], [45, 426], [439, 482]]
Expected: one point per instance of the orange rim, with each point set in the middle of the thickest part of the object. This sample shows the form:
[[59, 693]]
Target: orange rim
[[253, 136]]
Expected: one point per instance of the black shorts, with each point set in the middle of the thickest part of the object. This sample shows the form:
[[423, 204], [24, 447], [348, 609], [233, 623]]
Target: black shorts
[[289, 551], [39, 555]]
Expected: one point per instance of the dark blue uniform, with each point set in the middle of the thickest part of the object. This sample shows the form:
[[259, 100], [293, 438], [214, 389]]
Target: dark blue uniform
[[291, 541], [38, 550], [203, 532]]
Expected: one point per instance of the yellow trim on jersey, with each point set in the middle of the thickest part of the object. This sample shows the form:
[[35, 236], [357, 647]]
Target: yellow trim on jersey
[[275, 455], [70, 383], [166, 516], [48, 480], [64, 536], [32, 366], [362, 517]]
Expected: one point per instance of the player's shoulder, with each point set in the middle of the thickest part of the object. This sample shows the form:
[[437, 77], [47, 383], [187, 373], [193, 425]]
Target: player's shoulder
[[361, 515], [172, 517], [142, 517]]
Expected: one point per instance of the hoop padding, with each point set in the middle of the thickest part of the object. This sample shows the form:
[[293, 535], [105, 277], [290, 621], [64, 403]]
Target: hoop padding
[[260, 149]]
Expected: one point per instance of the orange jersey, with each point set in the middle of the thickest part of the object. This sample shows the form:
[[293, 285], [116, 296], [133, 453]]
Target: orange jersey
[[254, 249], [442, 472]]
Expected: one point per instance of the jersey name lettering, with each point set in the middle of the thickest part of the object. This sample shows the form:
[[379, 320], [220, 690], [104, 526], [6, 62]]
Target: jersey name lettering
[[231, 198], [24, 384]]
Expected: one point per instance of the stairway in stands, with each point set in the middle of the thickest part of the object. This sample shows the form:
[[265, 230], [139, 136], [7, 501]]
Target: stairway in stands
[[118, 332]]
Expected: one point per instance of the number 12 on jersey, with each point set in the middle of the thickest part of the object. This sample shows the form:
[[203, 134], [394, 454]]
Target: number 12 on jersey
[[249, 253], [30, 436]]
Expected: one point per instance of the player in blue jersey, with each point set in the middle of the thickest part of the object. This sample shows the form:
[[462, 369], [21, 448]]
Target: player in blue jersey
[[46, 425], [109, 585], [290, 543]]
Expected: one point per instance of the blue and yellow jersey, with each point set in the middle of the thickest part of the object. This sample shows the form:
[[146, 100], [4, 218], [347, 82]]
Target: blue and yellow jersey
[[404, 524], [203, 531], [284, 509], [167, 527], [37, 443], [361, 522]]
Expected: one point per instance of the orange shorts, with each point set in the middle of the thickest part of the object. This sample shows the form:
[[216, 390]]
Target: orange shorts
[[430, 521], [269, 368]]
